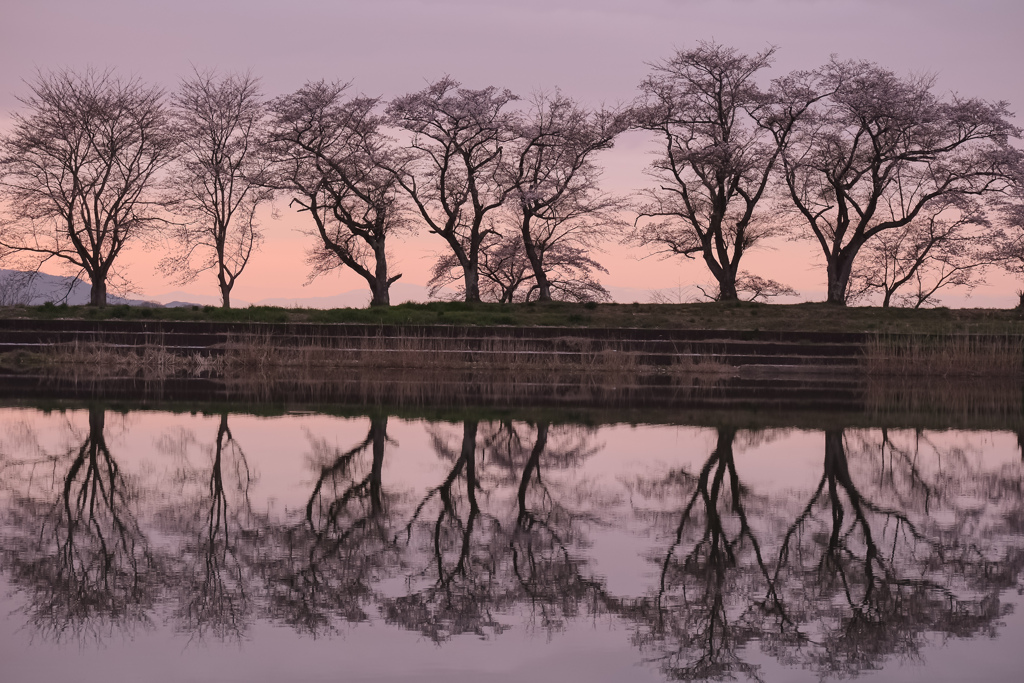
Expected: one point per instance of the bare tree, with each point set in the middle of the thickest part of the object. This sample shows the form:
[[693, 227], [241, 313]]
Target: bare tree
[[456, 177], [715, 591], [882, 151], [554, 178], [324, 569], [332, 155], [948, 245], [458, 583], [219, 179], [507, 276], [748, 288], [504, 271], [839, 579], [722, 136], [77, 170], [1009, 246]]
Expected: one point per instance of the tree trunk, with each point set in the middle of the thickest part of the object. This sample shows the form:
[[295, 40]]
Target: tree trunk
[[97, 417], [532, 465], [543, 286], [379, 431], [836, 465], [98, 294], [724, 273], [536, 264], [840, 268], [727, 287], [381, 291], [472, 279], [838, 279], [469, 456], [225, 295], [380, 285], [216, 471]]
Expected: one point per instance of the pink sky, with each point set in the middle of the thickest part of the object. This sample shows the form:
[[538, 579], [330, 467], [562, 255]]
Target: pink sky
[[594, 50]]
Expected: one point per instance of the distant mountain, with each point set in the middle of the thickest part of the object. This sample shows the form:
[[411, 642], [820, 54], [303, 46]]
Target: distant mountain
[[182, 299], [355, 298], [33, 289]]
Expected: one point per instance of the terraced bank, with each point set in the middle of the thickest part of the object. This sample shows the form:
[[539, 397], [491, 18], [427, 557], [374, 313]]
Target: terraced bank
[[431, 346]]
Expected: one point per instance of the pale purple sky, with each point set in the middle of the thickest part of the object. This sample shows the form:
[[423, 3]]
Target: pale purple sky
[[594, 50]]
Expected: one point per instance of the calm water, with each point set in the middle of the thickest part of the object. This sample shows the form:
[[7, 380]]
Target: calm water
[[160, 546]]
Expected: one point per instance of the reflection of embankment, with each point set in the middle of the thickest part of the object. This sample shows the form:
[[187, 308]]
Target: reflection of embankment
[[658, 397], [980, 403]]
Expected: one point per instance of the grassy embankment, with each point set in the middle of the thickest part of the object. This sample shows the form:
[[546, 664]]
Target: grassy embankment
[[945, 342], [807, 317]]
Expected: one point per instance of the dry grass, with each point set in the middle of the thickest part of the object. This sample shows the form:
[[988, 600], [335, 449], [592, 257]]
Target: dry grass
[[146, 360], [950, 355], [415, 373], [254, 353], [263, 356]]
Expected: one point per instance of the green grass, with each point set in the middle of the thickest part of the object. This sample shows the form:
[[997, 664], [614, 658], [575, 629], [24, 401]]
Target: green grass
[[734, 316]]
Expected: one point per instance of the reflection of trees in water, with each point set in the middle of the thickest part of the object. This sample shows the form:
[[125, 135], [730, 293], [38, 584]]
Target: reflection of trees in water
[[899, 537], [547, 543], [715, 592], [212, 575], [484, 561], [847, 583], [78, 552], [323, 567], [873, 579], [453, 591]]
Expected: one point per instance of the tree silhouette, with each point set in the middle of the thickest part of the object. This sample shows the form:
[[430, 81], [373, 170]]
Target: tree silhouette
[[882, 151], [331, 154], [455, 177], [882, 580], [715, 591], [213, 568], [558, 207], [80, 555], [844, 585], [77, 171], [219, 179], [322, 568], [721, 137], [900, 538], [460, 578]]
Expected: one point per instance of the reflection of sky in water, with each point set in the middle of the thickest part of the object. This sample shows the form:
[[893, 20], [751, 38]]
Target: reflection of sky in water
[[611, 495], [365, 654]]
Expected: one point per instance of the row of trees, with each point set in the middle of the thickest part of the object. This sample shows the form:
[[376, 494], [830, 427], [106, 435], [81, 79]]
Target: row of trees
[[905, 192]]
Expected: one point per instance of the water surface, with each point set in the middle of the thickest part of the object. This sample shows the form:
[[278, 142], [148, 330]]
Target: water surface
[[224, 546]]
